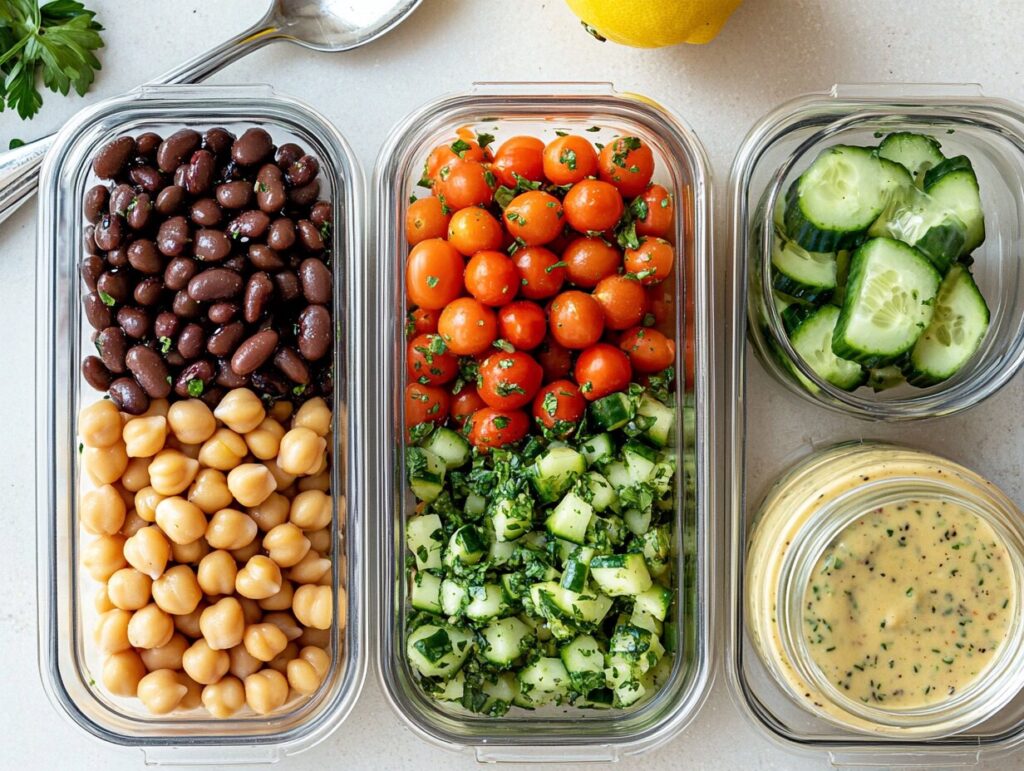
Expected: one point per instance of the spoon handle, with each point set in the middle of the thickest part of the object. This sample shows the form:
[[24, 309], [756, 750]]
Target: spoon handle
[[201, 67]]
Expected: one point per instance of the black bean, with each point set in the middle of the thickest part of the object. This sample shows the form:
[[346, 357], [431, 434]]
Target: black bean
[[194, 378], [95, 373], [147, 178], [170, 200], [128, 396], [147, 144], [253, 352], [201, 168], [139, 211], [258, 292], [252, 147], [287, 285], [304, 196], [97, 313], [112, 346], [191, 341], [225, 340], [108, 232], [281, 235], [264, 258], [320, 214], [270, 191], [302, 171], [114, 284], [310, 236], [314, 336], [287, 154], [178, 146], [185, 306], [91, 268], [214, 284], [134, 321], [234, 195], [291, 364], [144, 257], [250, 224], [166, 324], [316, 281], [96, 198], [212, 245], [218, 140], [222, 313], [173, 236], [149, 371], [206, 213], [179, 271], [111, 160]]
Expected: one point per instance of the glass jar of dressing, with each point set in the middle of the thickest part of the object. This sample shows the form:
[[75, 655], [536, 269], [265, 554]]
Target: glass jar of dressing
[[883, 586]]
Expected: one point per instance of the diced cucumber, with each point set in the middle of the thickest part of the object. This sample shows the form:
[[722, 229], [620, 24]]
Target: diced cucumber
[[501, 692], [570, 518], [662, 431], [512, 517], [884, 378], [637, 521], [611, 412], [438, 651], [657, 542], [466, 546], [424, 537], [618, 475], [602, 494], [957, 328], [889, 302], [454, 597], [645, 620], [544, 681], [475, 504], [640, 460], [954, 185], [655, 601], [917, 153], [554, 472], [575, 575], [812, 339], [500, 552], [486, 602], [426, 592], [505, 640], [597, 448], [810, 276], [621, 574], [622, 676], [448, 445], [451, 690], [426, 473], [583, 658], [630, 641], [587, 608]]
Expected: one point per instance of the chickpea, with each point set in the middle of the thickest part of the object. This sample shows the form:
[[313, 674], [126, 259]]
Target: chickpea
[[307, 670], [193, 694], [301, 451], [310, 568], [284, 480], [102, 511], [265, 439], [171, 472], [181, 521], [223, 624], [321, 481], [191, 421], [286, 623], [216, 574], [320, 638], [157, 407], [111, 632], [286, 544], [210, 491], [311, 510], [104, 556], [224, 698], [265, 691], [259, 579], [166, 656], [122, 672], [148, 551], [188, 624], [136, 475], [191, 450], [240, 410], [133, 523], [224, 450], [247, 552], [320, 540], [271, 513], [190, 553], [314, 606], [145, 437], [177, 591], [150, 627], [146, 501], [243, 663], [280, 662], [101, 600], [99, 424], [314, 415], [204, 664], [129, 589], [281, 410], [161, 691], [342, 607], [127, 497], [105, 465], [251, 483], [280, 601], [264, 641], [251, 610], [230, 529]]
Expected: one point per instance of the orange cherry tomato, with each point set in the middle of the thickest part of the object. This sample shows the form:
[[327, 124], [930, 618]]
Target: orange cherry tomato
[[421, 321], [490, 427], [588, 259], [492, 278], [661, 304], [465, 403], [428, 360], [425, 403], [467, 326], [652, 262], [555, 359], [509, 380], [523, 156], [445, 154], [602, 369], [622, 300], [592, 206], [659, 213], [425, 218], [559, 406], [628, 164], [576, 319], [649, 351], [474, 229], [541, 273], [433, 274], [465, 183], [523, 324], [534, 217], [569, 159]]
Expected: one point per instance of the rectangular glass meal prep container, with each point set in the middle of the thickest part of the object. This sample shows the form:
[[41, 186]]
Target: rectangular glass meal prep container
[[768, 428], [549, 734], [67, 657]]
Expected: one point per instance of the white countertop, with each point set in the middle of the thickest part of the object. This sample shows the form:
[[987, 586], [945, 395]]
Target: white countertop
[[770, 51]]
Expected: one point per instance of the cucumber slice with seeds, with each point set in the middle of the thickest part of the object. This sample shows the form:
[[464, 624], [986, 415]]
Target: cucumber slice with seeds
[[953, 185], [810, 276], [917, 153], [812, 339], [928, 225]]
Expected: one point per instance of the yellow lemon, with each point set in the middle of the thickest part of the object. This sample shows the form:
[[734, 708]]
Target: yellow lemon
[[654, 23]]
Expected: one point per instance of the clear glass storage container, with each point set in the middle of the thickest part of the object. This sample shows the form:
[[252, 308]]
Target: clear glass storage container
[[68, 658], [550, 734], [768, 428]]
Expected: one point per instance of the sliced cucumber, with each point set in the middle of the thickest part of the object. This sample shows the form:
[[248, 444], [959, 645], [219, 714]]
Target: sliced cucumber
[[917, 153], [426, 473], [889, 302], [424, 537], [917, 219], [953, 185], [956, 330], [618, 475], [812, 339], [611, 412], [544, 681], [884, 378], [466, 546], [575, 575], [512, 517], [454, 597], [555, 471], [448, 445], [640, 461], [583, 658], [426, 592], [598, 448], [438, 651], [505, 640], [661, 432], [602, 494], [810, 276], [621, 574], [842, 274], [586, 609], [570, 518], [655, 601]]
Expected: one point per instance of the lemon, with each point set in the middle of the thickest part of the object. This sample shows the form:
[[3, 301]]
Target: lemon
[[654, 23]]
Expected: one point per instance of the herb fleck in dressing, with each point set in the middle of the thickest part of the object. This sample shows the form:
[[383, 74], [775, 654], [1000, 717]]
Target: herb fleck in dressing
[[909, 604]]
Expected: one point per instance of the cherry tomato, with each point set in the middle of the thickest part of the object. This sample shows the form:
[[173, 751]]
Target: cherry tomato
[[425, 218], [491, 427], [492, 278], [569, 159], [558, 406], [589, 259], [519, 155], [465, 403], [649, 351], [555, 359], [465, 183], [523, 324], [592, 206], [421, 321], [652, 262], [474, 229], [509, 380], [602, 369], [429, 361], [467, 326], [623, 301], [534, 217], [661, 303], [444, 154], [659, 213], [576, 319], [628, 164], [541, 273], [425, 403], [433, 274]]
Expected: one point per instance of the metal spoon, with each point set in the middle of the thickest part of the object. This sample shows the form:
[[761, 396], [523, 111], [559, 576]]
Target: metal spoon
[[323, 25]]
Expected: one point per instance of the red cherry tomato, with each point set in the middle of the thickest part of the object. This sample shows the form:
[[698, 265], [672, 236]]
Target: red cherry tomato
[[523, 156], [425, 403], [473, 229], [602, 369], [492, 278], [534, 217], [541, 274], [623, 301], [659, 213], [468, 150], [649, 351], [589, 259], [569, 159], [467, 326], [463, 183], [465, 403], [555, 359], [576, 319], [523, 324], [490, 427], [421, 321], [628, 164], [429, 361], [509, 380], [592, 206], [652, 262], [559, 406], [433, 274]]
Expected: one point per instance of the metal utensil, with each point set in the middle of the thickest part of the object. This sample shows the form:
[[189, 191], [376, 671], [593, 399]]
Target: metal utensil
[[322, 25]]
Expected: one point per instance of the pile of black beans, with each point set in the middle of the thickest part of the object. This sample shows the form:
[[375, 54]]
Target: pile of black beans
[[207, 267]]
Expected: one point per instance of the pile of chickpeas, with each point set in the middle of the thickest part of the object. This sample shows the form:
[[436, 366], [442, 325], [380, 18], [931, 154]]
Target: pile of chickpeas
[[212, 538]]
